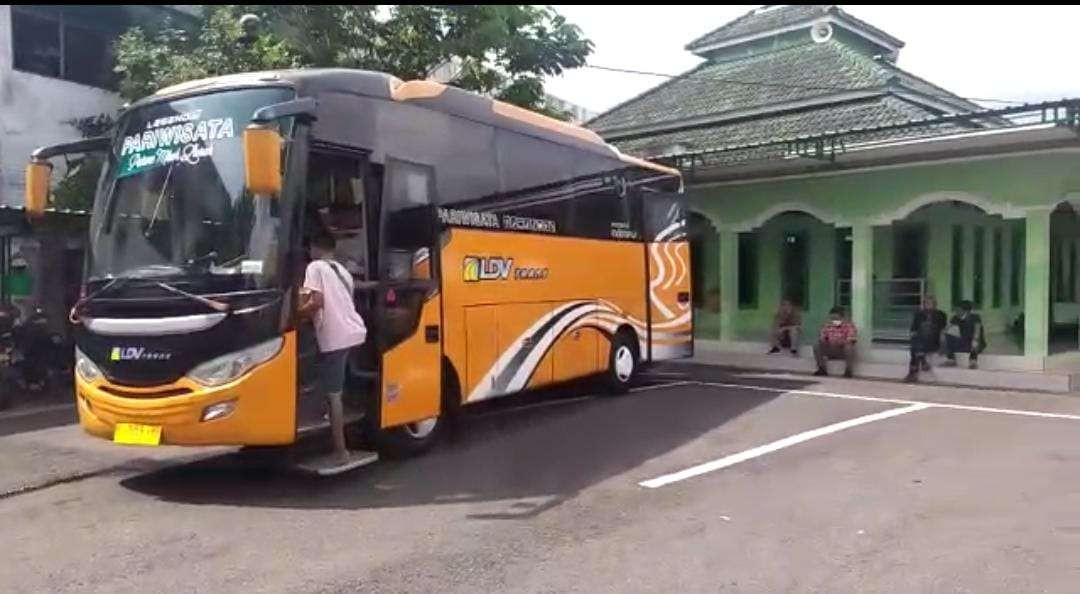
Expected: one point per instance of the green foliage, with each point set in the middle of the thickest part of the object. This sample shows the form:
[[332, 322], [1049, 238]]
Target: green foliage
[[503, 51]]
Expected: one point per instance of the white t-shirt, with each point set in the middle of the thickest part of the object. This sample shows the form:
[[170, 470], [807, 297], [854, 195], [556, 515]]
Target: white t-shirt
[[337, 324]]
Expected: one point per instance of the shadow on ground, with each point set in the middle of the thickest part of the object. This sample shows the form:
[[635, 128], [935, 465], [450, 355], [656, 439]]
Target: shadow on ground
[[511, 453]]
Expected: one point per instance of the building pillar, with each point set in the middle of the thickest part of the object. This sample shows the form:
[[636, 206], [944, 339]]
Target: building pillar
[[884, 247], [1075, 269], [967, 270], [729, 283], [862, 283], [939, 263], [988, 267], [1036, 282], [1006, 267]]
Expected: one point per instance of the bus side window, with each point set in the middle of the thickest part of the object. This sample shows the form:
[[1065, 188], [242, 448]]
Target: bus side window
[[408, 230], [603, 215], [665, 217]]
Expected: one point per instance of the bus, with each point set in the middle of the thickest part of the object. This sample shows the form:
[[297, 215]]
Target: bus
[[496, 250]]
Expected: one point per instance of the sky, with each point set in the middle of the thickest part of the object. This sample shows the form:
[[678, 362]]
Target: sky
[[1019, 53]]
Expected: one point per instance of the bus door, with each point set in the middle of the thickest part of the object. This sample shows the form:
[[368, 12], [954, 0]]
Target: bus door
[[339, 187], [408, 303], [668, 258]]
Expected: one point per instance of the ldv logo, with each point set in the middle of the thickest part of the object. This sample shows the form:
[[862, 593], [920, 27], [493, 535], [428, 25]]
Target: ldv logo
[[137, 354], [483, 269]]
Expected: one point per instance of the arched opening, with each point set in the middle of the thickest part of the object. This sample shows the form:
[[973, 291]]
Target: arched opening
[[953, 251], [705, 274], [1063, 333], [791, 256]]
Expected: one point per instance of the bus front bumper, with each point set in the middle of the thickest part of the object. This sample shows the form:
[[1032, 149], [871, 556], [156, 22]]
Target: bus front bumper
[[259, 407]]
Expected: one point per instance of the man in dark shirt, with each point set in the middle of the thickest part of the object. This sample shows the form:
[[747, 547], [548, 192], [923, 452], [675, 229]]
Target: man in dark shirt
[[964, 334], [926, 327]]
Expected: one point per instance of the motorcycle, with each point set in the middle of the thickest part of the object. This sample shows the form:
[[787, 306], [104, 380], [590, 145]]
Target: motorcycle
[[9, 357], [42, 355]]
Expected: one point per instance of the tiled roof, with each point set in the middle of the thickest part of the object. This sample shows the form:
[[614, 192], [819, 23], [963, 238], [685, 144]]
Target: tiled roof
[[865, 113], [797, 72], [770, 18], [760, 20]]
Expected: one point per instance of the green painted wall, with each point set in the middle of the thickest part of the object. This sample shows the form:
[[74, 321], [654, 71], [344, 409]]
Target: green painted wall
[[1018, 182], [1007, 186]]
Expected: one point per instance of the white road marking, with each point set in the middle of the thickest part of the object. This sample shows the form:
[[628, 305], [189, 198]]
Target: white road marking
[[658, 386], [572, 400], [947, 405], [779, 444], [541, 404]]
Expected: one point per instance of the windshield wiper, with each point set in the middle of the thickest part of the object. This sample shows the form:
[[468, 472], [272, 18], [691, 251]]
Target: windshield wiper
[[114, 283], [211, 255], [211, 303], [119, 281], [161, 196]]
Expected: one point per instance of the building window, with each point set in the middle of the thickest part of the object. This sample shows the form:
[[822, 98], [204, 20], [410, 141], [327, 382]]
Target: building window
[[49, 43], [748, 271], [978, 275], [1017, 268], [36, 41], [795, 268], [995, 276]]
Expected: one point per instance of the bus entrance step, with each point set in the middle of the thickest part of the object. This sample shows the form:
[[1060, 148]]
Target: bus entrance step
[[330, 464]]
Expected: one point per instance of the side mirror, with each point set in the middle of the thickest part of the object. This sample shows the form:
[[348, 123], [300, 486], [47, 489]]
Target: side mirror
[[37, 187], [262, 160]]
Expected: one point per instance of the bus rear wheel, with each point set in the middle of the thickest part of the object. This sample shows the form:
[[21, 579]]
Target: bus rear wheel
[[622, 363]]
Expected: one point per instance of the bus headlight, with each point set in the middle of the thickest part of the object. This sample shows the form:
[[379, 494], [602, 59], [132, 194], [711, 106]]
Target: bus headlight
[[86, 368], [227, 368]]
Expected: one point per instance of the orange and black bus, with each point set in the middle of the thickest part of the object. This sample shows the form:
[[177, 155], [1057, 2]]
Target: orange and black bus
[[500, 251]]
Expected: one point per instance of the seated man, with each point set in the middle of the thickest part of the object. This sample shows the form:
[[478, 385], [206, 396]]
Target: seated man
[[964, 334], [785, 329], [926, 327], [837, 341]]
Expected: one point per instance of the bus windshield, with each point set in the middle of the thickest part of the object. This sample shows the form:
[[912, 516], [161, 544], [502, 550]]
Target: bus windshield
[[172, 200]]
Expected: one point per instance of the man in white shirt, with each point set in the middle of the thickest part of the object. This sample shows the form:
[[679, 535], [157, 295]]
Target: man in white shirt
[[327, 298]]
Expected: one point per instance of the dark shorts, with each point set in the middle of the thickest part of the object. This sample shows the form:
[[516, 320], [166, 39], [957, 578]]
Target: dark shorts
[[331, 371]]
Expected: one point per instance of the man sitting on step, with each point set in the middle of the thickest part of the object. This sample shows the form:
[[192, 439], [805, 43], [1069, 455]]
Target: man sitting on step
[[837, 341], [964, 334], [926, 327], [787, 324]]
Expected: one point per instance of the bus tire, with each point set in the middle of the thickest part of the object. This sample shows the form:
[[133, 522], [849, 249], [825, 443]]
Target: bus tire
[[623, 362], [413, 439]]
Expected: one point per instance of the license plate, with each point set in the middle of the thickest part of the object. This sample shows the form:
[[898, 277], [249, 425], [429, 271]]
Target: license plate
[[136, 434]]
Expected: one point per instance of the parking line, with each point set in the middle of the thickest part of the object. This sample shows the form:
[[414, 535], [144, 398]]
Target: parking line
[[947, 405], [562, 401], [779, 444], [658, 386]]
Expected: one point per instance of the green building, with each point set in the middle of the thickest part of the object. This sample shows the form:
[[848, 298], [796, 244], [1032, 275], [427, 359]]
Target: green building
[[819, 171]]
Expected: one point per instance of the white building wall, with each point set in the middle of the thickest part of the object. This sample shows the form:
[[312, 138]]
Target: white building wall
[[33, 109]]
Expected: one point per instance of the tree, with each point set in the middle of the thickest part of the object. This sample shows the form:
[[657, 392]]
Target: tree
[[502, 51]]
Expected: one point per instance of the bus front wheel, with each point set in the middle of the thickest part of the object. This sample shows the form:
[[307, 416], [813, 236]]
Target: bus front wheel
[[622, 363], [413, 439], [410, 439]]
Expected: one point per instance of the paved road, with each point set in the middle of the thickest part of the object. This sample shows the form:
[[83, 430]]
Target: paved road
[[809, 490]]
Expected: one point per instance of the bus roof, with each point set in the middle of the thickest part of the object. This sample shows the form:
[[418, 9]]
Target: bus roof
[[429, 94]]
